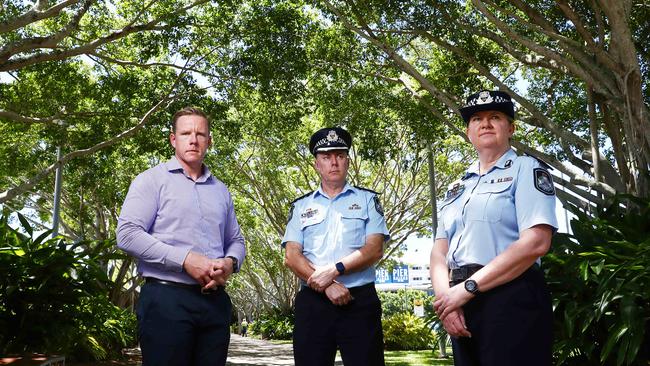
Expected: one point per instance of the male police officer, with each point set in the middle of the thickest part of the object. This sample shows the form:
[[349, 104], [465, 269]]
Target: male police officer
[[334, 237]]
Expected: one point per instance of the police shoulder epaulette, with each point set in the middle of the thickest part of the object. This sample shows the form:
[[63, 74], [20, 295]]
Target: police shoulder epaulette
[[301, 197], [366, 189], [542, 162]]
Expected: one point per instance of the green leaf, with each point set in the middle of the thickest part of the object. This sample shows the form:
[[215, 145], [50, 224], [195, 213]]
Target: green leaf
[[599, 267], [25, 223], [611, 341]]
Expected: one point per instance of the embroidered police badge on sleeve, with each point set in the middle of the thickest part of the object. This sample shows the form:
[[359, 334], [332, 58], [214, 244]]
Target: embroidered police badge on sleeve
[[543, 181], [291, 213], [378, 206]]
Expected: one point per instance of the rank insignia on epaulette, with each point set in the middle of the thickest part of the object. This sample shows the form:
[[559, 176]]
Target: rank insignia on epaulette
[[309, 213], [354, 207], [508, 164]]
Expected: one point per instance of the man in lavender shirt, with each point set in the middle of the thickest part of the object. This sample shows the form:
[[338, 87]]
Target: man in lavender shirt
[[178, 220]]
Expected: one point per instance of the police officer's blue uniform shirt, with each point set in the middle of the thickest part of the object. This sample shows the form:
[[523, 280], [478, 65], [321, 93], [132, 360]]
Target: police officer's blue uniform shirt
[[330, 229], [482, 215]]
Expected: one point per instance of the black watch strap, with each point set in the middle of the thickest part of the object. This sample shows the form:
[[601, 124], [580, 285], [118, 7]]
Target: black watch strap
[[235, 264], [340, 267]]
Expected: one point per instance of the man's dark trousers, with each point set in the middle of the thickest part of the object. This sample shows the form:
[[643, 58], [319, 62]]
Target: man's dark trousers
[[182, 326], [322, 326]]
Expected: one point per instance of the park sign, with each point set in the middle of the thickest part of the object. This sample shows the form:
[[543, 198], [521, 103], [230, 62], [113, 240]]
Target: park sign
[[398, 274]]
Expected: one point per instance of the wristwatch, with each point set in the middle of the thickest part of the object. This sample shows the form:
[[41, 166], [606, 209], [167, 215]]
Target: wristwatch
[[472, 287], [340, 267], [235, 264]]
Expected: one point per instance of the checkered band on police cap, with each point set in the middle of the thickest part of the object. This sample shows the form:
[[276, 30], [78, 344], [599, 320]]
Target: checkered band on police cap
[[328, 139], [487, 100]]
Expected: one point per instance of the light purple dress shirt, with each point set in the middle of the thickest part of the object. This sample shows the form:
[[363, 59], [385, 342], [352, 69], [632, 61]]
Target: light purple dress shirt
[[166, 214]]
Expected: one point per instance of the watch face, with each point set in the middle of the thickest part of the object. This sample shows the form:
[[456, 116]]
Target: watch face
[[470, 285]]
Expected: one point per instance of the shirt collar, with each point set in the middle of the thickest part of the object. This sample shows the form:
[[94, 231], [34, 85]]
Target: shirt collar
[[173, 165], [504, 162], [346, 187]]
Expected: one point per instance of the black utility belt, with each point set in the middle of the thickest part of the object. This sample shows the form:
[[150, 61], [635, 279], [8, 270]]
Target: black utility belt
[[188, 286], [459, 275], [352, 290]]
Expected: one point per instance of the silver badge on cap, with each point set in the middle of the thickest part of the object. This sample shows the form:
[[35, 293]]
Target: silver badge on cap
[[484, 97], [332, 136]]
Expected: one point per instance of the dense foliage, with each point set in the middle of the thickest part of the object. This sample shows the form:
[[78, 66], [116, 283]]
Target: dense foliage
[[600, 280], [405, 331], [54, 298], [273, 325]]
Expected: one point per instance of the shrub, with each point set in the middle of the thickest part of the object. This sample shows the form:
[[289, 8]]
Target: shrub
[[53, 297], [405, 331], [402, 301], [273, 325], [600, 283]]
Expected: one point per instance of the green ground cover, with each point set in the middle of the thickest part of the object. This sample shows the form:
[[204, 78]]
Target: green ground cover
[[419, 358]]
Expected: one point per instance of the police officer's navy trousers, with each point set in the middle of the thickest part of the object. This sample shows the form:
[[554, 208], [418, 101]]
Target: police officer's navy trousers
[[511, 325], [182, 326], [355, 328]]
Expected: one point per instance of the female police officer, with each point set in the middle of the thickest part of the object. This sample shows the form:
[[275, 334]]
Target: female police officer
[[494, 225]]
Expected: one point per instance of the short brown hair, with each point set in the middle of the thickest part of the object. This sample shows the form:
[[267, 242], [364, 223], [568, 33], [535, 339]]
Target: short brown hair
[[189, 111]]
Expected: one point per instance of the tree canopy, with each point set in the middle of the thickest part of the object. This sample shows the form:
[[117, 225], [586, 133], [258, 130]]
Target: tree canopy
[[584, 66]]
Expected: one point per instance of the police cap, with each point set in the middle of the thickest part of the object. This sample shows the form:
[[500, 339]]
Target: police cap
[[328, 139], [487, 100]]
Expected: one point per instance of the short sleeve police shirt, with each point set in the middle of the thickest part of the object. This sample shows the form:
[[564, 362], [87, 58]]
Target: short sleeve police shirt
[[330, 229], [481, 215]]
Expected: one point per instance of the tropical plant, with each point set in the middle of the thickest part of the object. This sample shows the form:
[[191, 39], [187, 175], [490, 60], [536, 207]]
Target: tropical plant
[[600, 281], [54, 298], [405, 331]]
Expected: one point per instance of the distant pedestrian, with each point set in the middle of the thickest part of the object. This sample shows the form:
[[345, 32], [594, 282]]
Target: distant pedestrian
[[244, 327]]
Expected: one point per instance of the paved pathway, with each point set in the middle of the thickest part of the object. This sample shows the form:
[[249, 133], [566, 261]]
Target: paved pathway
[[245, 351]]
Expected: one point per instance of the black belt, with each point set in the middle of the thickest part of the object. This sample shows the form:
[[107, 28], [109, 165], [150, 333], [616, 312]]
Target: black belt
[[185, 285], [458, 275], [353, 290]]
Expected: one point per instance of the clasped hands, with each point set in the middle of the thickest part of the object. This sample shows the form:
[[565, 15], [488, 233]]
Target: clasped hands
[[210, 273], [324, 280], [448, 306]]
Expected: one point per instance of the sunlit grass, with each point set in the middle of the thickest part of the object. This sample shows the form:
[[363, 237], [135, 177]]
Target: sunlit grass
[[416, 358]]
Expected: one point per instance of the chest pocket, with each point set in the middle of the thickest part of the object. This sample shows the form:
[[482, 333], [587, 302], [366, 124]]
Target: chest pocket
[[354, 227], [310, 222], [448, 210], [489, 201]]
